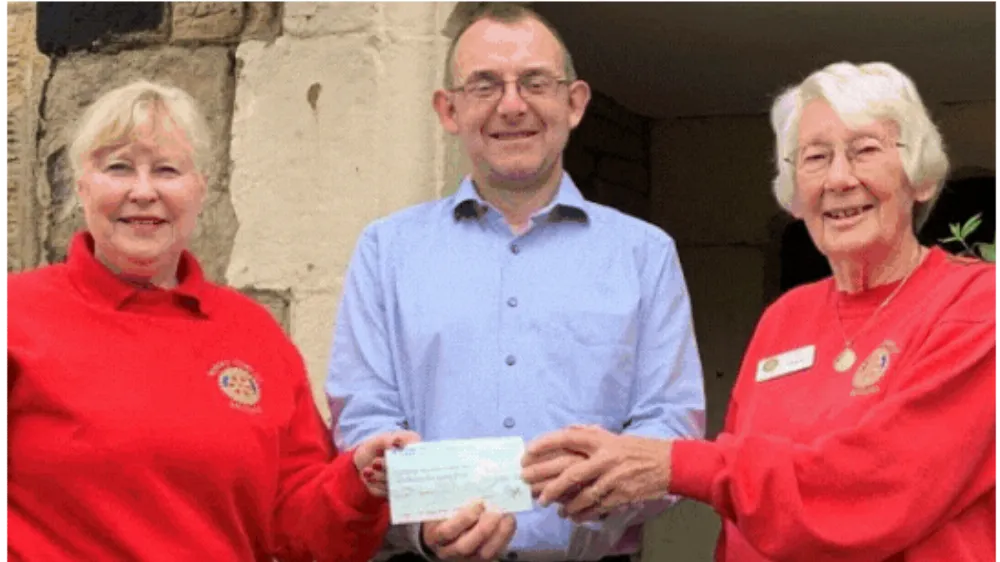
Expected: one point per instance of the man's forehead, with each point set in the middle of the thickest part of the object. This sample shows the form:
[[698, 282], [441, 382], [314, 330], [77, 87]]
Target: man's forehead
[[489, 43]]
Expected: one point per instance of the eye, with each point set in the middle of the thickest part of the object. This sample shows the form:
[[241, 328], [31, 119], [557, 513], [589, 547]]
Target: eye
[[118, 167], [481, 88], [536, 83], [167, 169]]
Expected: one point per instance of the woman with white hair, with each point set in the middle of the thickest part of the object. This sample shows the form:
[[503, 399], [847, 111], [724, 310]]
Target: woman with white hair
[[153, 415], [862, 424]]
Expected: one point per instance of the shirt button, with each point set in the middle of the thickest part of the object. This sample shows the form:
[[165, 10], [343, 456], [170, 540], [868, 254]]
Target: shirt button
[[512, 302], [508, 422], [511, 360], [515, 249]]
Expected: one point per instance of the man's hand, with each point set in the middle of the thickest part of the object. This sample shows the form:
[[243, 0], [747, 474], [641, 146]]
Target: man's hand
[[474, 533], [369, 458]]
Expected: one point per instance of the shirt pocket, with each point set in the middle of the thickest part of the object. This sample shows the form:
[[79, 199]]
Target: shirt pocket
[[592, 358]]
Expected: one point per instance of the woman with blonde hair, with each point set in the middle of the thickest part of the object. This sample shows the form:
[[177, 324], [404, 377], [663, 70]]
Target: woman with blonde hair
[[153, 415]]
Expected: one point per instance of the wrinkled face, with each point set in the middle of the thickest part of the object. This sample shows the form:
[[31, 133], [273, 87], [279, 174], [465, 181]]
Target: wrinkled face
[[141, 198], [520, 136], [850, 186]]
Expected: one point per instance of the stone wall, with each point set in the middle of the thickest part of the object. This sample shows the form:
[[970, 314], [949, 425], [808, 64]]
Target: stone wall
[[608, 156], [320, 116]]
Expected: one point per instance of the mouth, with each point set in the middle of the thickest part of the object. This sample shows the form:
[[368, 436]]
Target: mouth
[[847, 212], [142, 221], [512, 135]]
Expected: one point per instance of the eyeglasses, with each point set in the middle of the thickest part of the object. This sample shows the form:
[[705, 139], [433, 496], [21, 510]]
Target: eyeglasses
[[863, 153], [488, 88]]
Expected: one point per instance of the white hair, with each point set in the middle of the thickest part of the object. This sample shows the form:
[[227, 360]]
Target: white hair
[[115, 115], [861, 94]]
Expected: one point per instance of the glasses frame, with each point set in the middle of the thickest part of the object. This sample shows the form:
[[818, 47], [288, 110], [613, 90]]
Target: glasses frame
[[792, 161], [518, 85]]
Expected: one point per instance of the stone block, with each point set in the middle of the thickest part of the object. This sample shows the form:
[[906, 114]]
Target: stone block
[[407, 19], [27, 70], [263, 20], [80, 78], [630, 174], [278, 303], [314, 19], [207, 21]]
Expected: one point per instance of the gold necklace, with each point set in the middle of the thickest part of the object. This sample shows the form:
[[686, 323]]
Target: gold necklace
[[846, 358]]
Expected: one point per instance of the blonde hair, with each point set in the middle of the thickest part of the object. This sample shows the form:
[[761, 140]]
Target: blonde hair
[[860, 94], [116, 114]]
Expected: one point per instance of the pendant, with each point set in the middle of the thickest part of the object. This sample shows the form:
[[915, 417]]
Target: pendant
[[845, 360]]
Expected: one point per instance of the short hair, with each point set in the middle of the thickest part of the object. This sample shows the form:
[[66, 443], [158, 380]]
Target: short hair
[[860, 94], [116, 114], [507, 13]]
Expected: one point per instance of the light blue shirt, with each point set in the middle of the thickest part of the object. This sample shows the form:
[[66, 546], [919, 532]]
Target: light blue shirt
[[453, 326]]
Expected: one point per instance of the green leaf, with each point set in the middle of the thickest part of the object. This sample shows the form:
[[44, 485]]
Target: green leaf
[[955, 230], [948, 239], [988, 252], [971, 225]]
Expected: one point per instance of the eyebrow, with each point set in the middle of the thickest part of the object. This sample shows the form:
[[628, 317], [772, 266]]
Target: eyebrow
[[850, 139], [539, 68]]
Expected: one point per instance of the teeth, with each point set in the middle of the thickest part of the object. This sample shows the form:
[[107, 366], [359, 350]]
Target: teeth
[[846, 213]]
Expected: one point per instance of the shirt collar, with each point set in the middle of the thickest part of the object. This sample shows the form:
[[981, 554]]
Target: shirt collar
[[98, 282], [568, 204]]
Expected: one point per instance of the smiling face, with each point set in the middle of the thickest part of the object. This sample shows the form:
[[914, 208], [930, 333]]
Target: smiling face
[[141, 196], [850, 186], [514, 139]]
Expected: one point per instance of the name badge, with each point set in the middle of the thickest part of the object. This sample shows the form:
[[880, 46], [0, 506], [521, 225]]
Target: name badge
[[786, 363]]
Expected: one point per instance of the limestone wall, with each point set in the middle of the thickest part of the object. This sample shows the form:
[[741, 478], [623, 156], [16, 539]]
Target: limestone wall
[[320, 115]]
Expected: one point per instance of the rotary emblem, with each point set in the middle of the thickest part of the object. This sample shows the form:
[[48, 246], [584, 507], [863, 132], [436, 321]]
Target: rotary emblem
[[871, 371], [237, 381]]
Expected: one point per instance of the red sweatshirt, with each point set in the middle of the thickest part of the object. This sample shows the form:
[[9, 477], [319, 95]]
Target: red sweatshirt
[[146, 424], [893, 459]]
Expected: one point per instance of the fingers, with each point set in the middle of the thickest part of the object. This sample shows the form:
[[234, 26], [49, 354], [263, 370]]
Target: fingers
[[498, 541], [375, 447], [579, 439], [470, 542], [581, 472], [589, 498], [401, 439], [550, 468], [442, 533]]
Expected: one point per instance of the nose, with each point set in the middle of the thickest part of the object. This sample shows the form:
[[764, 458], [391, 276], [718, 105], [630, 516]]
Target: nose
[[143, 190], [511, 103], [840, 176]]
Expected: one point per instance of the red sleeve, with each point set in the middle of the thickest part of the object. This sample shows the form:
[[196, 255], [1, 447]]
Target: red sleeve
[[916, 459], [323, 510]]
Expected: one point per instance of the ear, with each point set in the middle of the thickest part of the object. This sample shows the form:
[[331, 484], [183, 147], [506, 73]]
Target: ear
[[579, 97], [795, 208], [924, 192], [444, 105]]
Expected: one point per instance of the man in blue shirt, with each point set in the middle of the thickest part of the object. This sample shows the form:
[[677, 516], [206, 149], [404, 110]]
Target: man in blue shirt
[[515, 307]]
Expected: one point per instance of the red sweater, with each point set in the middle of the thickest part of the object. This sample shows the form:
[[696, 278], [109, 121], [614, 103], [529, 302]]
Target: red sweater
[[146, 424], [892, 460]]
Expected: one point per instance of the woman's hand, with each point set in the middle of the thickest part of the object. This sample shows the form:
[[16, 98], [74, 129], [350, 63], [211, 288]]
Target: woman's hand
[[618, 470], [369, 458]]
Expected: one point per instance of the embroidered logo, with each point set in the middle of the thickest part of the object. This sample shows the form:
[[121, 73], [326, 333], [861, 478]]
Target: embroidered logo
[[770, 365], [237, 381], [871, 371]]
